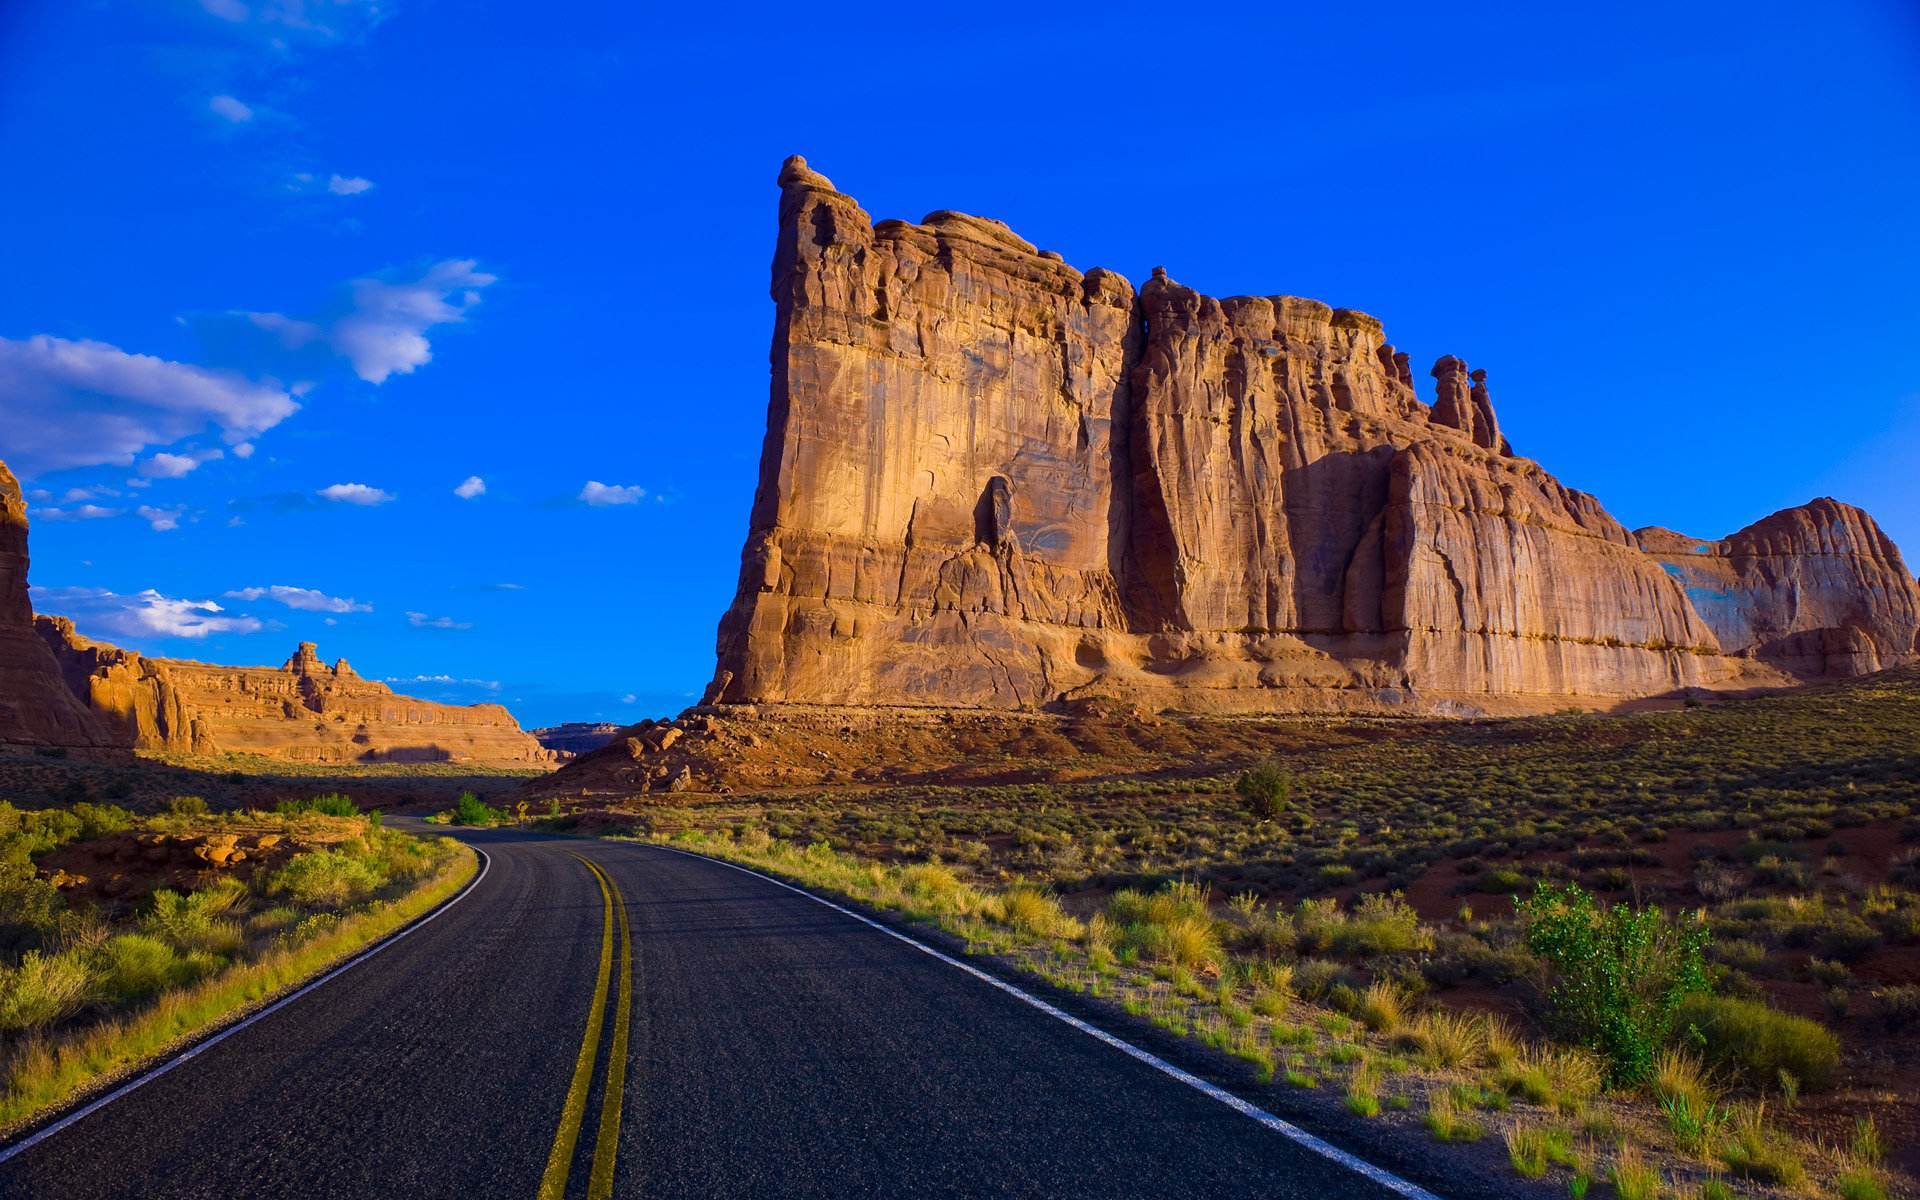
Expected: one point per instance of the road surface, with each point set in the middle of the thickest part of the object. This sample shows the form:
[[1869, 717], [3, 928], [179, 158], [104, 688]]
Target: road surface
[[770, 1046]]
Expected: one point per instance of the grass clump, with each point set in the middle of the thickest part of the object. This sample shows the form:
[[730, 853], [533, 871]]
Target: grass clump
[[1755, 1152], [1527, 1149], [1448, 1120], [1631, 1176]]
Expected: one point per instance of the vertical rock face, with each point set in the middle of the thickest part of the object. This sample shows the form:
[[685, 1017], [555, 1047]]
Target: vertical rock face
[[1817, 590], [302, 711], [35, 706], [991, 480]]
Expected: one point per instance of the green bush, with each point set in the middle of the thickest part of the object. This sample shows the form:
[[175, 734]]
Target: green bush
[[187, 806], [1621, 973], [1267, 789], [331, 805], [1756, 1043], [469, 809]]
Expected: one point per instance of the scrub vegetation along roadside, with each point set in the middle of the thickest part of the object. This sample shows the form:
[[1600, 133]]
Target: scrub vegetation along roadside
[[1680, 947], [122, 936]]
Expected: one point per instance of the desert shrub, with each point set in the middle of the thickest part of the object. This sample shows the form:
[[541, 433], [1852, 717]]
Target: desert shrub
[[1621, 973], [1379, 923], [1756, 1043], [1448, 1039], [325, 878], [187, 806], [195, 921], [1267, 789], [1380, 1008], [1030, 910], [1895, 1009], [1555, 1077], [133, 965], [40, 989], [1450, 1121], [29, 906], [331, 805]]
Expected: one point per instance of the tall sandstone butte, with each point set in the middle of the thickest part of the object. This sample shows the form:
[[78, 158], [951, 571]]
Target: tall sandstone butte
[[990, 480], [35, 706]]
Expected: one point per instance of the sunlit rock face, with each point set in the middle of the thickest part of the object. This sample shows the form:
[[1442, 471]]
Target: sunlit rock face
[[991, 480], [1818, 590], [36, 709]]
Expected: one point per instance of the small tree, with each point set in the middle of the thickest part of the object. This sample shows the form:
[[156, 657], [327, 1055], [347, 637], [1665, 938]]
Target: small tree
[[1267, 789], [1621, 973]]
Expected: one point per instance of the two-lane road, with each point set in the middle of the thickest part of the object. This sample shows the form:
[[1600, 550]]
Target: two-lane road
[[772, 1047]]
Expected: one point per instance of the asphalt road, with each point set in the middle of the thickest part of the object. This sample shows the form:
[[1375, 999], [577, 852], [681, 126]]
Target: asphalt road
[[773, 1047]]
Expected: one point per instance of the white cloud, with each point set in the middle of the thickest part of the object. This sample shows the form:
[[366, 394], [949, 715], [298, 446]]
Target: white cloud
[[600, 495], [322, 20], [355, 493], [86, 512], [229, 109], [83, 404], [422, 621], [470, 487], [348, 185], [243, 450], [385, 334], [629, 698], [162, 519], [149, 613], [304, 599], [168, 466]]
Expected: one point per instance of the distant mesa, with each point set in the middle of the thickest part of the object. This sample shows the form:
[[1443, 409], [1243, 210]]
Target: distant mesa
[[58, 688]]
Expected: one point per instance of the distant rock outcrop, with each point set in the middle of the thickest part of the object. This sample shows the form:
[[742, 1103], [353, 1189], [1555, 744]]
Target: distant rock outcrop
[[35, 709], [576, 737], [990, 480], [1818, 590], [301, 711]]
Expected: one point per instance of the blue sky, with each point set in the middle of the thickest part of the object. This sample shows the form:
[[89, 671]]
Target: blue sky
[[281, 275]]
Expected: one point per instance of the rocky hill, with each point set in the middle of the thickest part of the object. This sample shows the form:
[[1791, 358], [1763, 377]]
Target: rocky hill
[[576, 737], [991, 480]]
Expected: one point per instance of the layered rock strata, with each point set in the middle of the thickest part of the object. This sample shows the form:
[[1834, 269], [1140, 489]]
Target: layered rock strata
[[303, 711], [991, 480], [1818, 590]]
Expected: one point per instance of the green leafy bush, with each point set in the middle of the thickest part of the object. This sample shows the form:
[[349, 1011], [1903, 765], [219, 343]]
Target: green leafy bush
[[1756, 1043], [41, 989], [1621, 973], [331, 805], [1268, 790], [469, 809], [133, 965]]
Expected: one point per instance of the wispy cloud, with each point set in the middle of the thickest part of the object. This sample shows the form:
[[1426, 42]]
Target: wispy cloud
[[166, 465], [348, 185], [492, 685], [304, 599], [471, 487], [315, 20], [84, 512], [229, 109], [384, 330], [421, 620], [601, 495], [84, 403], [145, 614], [354, 493]]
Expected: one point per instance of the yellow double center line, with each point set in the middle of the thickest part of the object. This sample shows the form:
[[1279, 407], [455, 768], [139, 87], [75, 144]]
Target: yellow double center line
[[606, 1143]]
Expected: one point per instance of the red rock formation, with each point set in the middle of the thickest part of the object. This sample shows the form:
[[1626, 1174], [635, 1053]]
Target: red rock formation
[[35, 709], [991, 480], [1818, 590], [302, 711]]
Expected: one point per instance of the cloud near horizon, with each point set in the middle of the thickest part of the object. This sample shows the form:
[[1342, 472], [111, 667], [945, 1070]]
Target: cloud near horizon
[[85, 403], [304, 599], [145, 614]]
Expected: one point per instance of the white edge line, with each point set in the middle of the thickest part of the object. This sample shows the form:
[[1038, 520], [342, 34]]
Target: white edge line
[[1285, 1129], [146, 1077]]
